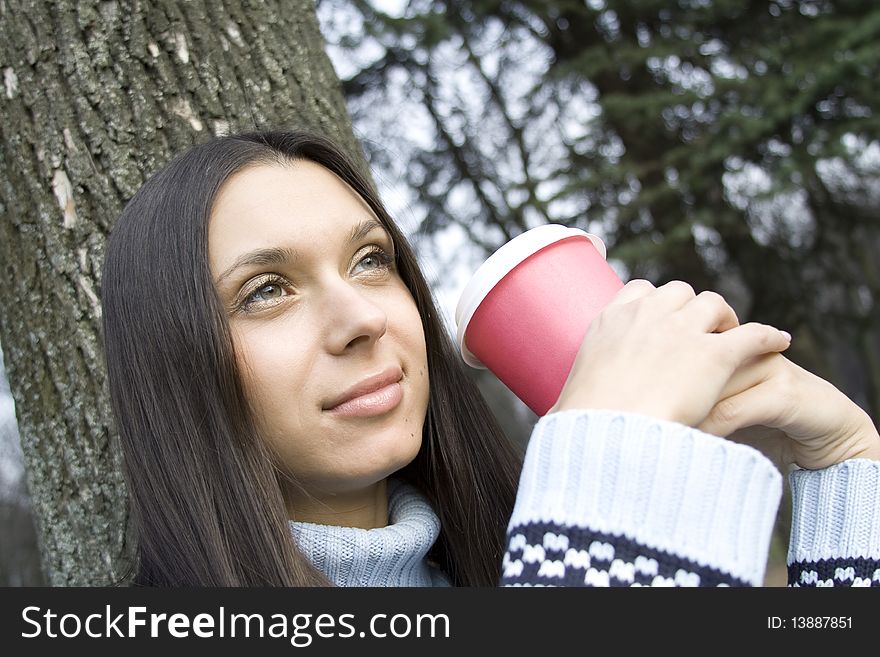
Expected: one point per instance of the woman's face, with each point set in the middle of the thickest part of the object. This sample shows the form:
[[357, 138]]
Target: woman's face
[[314, 310]]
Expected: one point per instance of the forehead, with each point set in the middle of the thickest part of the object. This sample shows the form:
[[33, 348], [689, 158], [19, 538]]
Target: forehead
[[298, 203]]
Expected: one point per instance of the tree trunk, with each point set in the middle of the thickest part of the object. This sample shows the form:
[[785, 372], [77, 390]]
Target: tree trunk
[[96, 96]]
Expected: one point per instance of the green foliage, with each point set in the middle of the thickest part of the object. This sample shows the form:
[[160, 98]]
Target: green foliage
[[729, 143]]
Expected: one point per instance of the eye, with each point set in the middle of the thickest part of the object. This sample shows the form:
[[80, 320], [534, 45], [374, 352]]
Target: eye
[[269, 292], [378, 258]]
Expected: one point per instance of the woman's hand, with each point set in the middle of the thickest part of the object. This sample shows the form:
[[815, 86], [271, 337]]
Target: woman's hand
[[821, 426], [664, 352]]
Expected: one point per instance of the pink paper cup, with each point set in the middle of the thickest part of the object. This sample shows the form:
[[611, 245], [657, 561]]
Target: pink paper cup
[[524, 313]]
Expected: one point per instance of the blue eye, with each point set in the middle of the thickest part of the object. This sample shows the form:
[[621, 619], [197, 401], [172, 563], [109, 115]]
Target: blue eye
[[270, 290], [378, 256], [262, 291]]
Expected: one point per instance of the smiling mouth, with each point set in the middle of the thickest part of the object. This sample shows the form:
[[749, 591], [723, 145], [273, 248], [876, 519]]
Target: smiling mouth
[[365, 387], [371, 404]]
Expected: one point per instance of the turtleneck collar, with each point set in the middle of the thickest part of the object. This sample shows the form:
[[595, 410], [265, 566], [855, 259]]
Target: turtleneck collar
[[386, 556]]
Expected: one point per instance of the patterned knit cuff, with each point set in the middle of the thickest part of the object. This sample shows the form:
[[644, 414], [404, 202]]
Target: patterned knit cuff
[[835, 531], [661, 485]]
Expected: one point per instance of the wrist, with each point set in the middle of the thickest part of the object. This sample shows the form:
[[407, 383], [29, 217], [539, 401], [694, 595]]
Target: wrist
[[867, 438]]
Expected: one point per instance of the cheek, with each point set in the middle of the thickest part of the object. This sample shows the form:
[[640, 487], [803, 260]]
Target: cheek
[[403, 314], [413, 337], [267, 374], [267, 377]]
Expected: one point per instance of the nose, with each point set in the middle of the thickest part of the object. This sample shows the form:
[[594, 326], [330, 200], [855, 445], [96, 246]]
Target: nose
[[353, 317]]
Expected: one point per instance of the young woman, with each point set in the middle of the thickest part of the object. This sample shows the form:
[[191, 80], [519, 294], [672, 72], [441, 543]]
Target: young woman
[[293, 411]]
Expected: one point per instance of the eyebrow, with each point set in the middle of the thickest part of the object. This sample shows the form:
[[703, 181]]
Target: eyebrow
[[280, 255]]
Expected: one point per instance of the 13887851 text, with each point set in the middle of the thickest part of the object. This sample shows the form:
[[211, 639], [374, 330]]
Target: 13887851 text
[[809, 623]]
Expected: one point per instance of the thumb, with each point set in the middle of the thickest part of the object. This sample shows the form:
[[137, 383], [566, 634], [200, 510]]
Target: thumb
[[757, 405], [750, 340]]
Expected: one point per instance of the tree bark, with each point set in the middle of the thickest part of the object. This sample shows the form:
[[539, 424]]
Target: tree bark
[[96, 96]]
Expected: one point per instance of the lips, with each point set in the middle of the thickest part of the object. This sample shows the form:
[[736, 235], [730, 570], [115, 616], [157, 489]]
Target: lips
[[373, 383]]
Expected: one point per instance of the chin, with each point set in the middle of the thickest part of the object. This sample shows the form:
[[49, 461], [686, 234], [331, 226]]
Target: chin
[[376, 471]]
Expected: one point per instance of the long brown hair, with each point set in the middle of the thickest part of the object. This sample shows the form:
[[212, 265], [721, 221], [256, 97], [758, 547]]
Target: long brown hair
[[203, 488]]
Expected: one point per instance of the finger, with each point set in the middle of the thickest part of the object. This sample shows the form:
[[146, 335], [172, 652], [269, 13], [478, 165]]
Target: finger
[[757, 405], [710, 313], [750, 340], [752, 372], [673, 295], [635, 289]]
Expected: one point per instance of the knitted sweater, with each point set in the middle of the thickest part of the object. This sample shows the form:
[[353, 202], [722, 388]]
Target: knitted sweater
[[386, 556], [620, 499]]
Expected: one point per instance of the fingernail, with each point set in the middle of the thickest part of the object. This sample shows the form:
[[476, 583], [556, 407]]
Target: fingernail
[[786, 334]]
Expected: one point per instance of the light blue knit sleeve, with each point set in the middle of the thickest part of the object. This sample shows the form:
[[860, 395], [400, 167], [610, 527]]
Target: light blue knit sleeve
[[835, 530], [620, 499]]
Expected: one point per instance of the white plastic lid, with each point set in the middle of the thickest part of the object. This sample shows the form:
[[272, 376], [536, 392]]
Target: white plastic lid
[[497, 266]]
